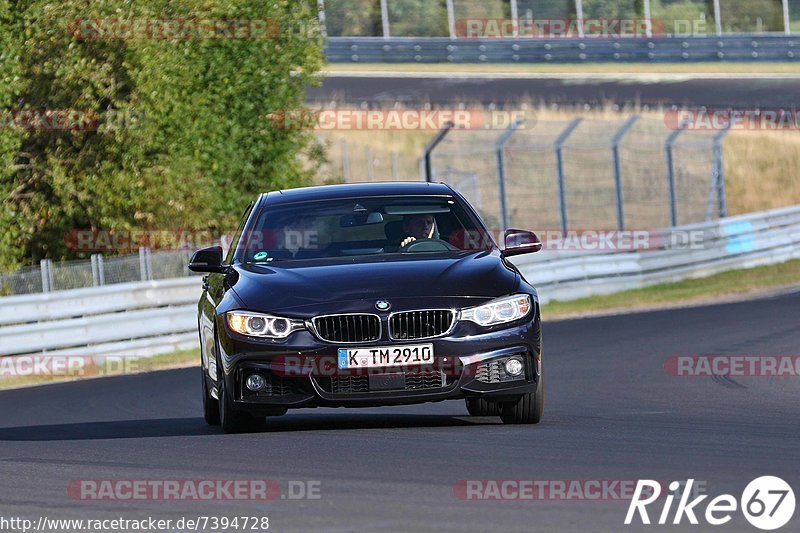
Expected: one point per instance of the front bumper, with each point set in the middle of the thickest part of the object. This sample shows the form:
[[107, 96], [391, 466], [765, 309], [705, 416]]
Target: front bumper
[[301, 371]]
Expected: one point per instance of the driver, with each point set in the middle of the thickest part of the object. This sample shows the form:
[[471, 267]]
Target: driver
[[417, 227]]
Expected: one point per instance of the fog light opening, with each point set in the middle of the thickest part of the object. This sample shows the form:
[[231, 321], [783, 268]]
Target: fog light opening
[[514, 367], [255, 382]]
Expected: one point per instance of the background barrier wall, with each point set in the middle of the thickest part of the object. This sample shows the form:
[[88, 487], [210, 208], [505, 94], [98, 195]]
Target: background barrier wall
[[661, 49]]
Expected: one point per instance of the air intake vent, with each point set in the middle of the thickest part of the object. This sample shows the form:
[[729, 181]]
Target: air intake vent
[[348, 328], [420, 324]]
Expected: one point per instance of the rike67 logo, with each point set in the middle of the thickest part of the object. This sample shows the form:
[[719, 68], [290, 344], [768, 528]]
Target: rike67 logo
[[767, 503]]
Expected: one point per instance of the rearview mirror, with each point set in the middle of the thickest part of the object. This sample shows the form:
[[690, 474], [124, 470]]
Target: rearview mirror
[[518, 241], [349, 221], [207, 260]]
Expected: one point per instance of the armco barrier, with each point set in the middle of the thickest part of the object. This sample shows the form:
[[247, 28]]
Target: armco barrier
[[160, 316], [659, 49], [140, 318], [742, 241]]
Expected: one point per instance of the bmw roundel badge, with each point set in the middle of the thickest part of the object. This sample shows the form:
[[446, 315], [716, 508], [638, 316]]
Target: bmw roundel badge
[[383, 305]]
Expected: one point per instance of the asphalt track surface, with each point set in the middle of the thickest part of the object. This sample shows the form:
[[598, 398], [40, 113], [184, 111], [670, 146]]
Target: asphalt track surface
[[743, 92], [613, 413]]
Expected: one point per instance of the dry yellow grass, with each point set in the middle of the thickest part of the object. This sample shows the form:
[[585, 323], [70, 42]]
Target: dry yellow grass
[[762, 170]]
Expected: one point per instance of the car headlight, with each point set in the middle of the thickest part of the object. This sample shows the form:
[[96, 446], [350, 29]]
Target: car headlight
[[500, 311], [260, 325]]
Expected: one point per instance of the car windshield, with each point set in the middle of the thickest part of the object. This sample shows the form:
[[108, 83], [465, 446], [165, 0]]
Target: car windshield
[[362, 226]]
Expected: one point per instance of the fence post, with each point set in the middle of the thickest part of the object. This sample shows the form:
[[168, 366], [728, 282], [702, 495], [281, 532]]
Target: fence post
[[101, 270], [579, 16], [500, 148], [451, 19], [618, 168], [787, 22], [719, 174], [673, 210], [345, 161], [323, 27], [514, 19], [558, 146], [433, 143], [47, 276], [717, 17], [385, 19], [95, 273], [144, 264]]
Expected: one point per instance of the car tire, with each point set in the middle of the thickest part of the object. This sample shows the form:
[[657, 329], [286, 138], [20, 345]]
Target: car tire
[[481, 407], [235, 421], [527, 410], [210, 405]]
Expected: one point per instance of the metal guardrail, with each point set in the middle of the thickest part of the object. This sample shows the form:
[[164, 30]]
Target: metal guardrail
[[124, 319], [655, 50], [160, 316], [741, 241]]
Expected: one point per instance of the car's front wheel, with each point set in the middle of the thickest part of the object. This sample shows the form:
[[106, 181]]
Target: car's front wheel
[[235, 421], [481, 407], [210, 405], [527, 410]]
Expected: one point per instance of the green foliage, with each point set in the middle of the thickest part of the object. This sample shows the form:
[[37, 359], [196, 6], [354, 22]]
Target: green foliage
[[683, 17], [744, 15], [196, 144], [360, 18], [10, 84], [417, 18], [612, 9]]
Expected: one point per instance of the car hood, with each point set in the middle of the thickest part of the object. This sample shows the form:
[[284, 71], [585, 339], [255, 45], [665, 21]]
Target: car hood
[[403, 280]]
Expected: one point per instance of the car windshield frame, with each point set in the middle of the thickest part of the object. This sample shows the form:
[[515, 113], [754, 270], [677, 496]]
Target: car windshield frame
[[462, 208]]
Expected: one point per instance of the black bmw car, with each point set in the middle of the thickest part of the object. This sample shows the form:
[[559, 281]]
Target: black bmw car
[[366, 295]]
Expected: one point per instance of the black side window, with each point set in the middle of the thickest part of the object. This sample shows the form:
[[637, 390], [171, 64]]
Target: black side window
[[238, 235]]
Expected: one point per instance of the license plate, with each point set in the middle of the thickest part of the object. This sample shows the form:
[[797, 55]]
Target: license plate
[[385, 356]]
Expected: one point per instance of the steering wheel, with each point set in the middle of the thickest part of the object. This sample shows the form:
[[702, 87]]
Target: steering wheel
[[428, 245]]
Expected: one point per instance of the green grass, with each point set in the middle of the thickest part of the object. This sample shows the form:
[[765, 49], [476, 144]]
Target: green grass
[[590, 68], [726, 284]]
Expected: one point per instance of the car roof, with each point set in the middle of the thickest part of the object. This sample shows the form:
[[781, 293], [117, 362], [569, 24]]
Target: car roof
[[356, 190]]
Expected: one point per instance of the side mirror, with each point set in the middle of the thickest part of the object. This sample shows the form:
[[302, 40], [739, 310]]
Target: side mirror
[[519, 241], [207, 260]]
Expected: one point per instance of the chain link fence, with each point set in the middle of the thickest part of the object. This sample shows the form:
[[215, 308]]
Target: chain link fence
[[98, 271], [350, 161], [622, 172], [627, 173], [425, 18]]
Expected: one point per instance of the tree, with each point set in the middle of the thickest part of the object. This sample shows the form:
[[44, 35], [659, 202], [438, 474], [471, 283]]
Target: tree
[[183, 140]]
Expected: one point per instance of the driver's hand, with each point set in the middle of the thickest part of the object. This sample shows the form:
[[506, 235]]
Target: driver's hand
[[406, 241]]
